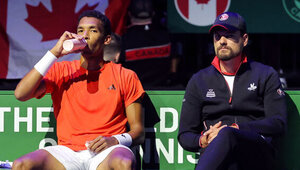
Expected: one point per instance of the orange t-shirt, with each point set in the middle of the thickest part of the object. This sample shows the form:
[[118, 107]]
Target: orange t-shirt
[[88, 104]]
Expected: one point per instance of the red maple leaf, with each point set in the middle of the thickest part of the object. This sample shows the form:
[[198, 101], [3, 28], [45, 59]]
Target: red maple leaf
[[202, 1], [53, 24]]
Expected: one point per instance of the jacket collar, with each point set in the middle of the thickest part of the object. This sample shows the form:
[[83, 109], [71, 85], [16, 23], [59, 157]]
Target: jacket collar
[[216, 64]]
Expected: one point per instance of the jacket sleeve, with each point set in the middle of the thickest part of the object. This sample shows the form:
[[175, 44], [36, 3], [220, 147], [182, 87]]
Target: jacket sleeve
[[275, 121], [190, 125]]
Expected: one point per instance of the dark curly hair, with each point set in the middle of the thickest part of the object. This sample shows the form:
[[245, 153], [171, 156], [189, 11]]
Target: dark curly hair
[[97, 14]]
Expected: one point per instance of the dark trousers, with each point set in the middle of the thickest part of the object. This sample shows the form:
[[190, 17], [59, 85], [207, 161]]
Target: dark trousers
[[235, 149]]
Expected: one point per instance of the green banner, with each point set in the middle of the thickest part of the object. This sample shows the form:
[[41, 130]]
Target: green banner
[[161, 147], [196, 16], [27, 126], [24, 126]]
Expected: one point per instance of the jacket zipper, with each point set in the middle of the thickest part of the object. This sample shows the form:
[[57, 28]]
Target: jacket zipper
[[230, 98], [228, 87]]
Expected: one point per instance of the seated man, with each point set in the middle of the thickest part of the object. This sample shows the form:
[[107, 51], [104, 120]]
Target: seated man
[[234, 111], [93, 102]]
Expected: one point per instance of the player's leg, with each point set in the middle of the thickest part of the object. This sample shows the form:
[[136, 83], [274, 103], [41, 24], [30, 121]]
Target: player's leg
[[117, 157], [237, 149], [120, 159], [40, 159]]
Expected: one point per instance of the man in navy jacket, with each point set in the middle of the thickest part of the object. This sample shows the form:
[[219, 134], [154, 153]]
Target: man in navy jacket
[[233, 111]]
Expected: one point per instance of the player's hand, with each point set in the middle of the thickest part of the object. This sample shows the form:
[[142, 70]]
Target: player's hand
[[58, 50], [204, 141], [101, 143], [208, 135], [213, 131]]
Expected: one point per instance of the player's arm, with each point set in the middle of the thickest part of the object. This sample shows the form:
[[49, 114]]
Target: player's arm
[[32, 85], [135, 135], [135, 118]]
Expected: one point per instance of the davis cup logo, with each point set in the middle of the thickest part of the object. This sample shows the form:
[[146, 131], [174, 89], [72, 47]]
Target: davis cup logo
[[201, 12], [223, 17], [292, 7]]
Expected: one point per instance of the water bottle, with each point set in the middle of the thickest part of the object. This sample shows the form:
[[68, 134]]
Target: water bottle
[[74, 44]]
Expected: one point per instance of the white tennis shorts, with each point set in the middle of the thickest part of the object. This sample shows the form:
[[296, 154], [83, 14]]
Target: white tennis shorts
[[81, 160]]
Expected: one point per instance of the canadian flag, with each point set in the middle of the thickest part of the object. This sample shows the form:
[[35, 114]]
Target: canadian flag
[[201, 12], [28, 28]]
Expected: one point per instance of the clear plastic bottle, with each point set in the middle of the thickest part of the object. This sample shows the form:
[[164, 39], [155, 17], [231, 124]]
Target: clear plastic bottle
[[74, 44]]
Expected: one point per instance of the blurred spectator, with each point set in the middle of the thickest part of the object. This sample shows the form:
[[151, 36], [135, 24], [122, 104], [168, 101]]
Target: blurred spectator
[[113, 50], [147, 48]]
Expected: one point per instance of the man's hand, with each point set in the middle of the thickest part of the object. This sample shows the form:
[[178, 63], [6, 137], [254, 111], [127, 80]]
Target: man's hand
[[101, 143], [209, 135], [58, 50]]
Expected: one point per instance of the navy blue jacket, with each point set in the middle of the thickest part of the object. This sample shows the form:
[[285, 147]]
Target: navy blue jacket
[[257, 103]]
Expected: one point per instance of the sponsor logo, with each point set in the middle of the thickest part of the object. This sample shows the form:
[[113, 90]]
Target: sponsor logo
[[223, 17], [252, 87], [292, 8], [201, 12], [111, 87], [210, 93]]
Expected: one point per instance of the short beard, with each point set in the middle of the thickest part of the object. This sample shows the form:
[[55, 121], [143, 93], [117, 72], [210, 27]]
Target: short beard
[[226, 57]]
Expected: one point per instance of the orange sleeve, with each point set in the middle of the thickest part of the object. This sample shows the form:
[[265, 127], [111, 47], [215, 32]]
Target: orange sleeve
[[133, 88]]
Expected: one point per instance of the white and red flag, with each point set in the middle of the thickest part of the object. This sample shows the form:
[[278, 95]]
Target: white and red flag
[[28, 28], [201, 12]]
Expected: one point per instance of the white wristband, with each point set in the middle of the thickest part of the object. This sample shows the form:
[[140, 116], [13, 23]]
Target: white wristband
[[45, 63], [124, 139]]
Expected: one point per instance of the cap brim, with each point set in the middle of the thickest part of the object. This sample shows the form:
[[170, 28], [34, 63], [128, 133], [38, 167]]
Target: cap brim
[[228, 28], [215, 26]]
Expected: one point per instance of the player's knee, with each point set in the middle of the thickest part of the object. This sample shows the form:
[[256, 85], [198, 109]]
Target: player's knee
[[227, 133], [124, 163], [22, 164]]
